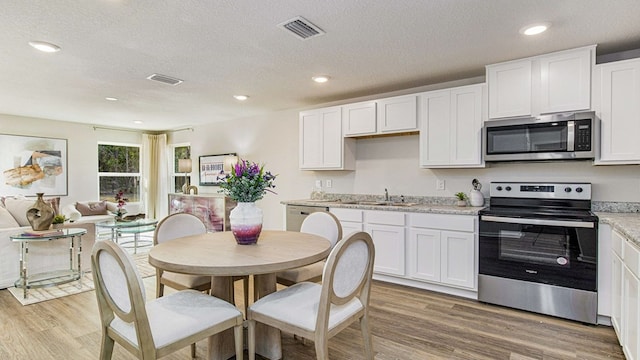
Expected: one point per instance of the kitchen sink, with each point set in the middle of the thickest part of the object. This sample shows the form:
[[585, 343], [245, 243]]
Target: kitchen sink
[[378, 203]]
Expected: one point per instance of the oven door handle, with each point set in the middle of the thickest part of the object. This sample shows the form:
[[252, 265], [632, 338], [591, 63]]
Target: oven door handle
[[573, 224]]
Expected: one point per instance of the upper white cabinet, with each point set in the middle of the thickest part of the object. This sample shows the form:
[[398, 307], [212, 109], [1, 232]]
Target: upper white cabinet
[[385, 116], [359, 118], [509, 89], [616, 95], [322, 146], [397, 114], [451, 127], [543, 84]]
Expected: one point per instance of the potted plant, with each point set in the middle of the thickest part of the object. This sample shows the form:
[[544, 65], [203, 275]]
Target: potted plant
[[247, 183], [58, 221], [462, 198]]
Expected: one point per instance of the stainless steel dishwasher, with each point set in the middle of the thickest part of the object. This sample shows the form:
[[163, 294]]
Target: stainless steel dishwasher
[[297, 213]]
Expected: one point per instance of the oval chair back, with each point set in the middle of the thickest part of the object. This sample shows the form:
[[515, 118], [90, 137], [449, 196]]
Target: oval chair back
[[323, 224]]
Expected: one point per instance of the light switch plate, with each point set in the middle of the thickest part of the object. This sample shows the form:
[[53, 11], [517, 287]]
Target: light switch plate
[[318, 183], [328, 183], [439, 184]]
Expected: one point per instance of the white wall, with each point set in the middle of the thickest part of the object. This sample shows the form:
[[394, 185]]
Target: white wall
[[82, 150]]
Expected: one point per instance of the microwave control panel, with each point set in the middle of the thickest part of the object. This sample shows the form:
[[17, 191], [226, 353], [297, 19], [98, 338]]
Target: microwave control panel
[[582, 140]]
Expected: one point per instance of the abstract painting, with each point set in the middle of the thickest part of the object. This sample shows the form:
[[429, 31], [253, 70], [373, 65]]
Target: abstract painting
[[32, 165]]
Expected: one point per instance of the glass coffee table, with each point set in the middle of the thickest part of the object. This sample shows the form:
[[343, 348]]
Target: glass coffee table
[[134, 227], [73, 273]]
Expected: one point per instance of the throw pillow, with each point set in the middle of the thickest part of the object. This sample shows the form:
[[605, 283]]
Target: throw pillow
[[54, 203], [6, 220], [18, 209], [92, 208]]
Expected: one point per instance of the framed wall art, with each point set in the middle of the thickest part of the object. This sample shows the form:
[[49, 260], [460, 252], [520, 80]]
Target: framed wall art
[[214, 167], [32, 165]]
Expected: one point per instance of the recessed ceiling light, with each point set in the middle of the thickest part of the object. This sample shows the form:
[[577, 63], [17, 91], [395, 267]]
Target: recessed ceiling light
[[535, 29], [241, 97], [111, 99], [137, 122], [320, 78], [44, 46]]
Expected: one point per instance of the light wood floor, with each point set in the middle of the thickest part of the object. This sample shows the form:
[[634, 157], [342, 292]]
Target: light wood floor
[[407, 324]]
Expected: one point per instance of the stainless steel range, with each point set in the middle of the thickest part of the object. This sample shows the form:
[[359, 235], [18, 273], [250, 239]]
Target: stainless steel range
[[538, 249]]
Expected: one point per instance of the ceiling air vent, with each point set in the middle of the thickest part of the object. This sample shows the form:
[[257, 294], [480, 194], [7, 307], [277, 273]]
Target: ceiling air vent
[[164, 79], [301, 28]]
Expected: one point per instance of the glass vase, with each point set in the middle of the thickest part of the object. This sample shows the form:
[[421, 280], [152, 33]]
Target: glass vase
[[246, 223]]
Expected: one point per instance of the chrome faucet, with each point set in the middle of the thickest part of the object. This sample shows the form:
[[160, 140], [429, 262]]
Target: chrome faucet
[[386, 195]]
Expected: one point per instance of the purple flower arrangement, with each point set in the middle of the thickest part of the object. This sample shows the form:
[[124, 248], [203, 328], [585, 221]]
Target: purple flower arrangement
[[247, 182]]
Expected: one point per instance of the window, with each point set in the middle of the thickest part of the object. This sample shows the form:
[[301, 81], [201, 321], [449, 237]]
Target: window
[[180, 151], [119, 169]]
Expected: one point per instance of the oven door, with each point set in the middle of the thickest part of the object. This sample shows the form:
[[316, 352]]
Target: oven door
[[554, 252]]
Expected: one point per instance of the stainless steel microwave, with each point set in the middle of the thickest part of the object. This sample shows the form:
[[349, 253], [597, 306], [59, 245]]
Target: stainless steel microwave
[[549, 137]]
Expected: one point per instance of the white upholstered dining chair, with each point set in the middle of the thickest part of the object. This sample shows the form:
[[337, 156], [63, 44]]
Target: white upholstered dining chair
[[150, 330], [320, 311], [179, 225], [323, 224]]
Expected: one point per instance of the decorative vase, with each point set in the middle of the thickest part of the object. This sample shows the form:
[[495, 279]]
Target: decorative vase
[[246, 222], [40, 215], [476, 198]]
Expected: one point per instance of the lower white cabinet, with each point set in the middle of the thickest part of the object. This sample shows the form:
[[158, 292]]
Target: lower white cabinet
[[389, 242], [625, 311], [387, 229], [430, 251], [443, 256]]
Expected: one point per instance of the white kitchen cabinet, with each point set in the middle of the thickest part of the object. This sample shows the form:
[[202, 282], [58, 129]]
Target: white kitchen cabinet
[[631, 302], [458, 259], [424, 255], [451, 127], [387, 229], [322, 146], [565, 80], [616, 282], [509, 89], [442, 249], [397, 114], [359, 118], [350, 219], [625, 312], [556, 82], [616, 92]]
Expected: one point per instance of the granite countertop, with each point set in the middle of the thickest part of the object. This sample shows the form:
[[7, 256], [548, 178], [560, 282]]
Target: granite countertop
[[406, 207], [628, 224]]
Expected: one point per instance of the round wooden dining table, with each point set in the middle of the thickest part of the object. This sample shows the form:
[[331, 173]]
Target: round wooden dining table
[[217, 254]]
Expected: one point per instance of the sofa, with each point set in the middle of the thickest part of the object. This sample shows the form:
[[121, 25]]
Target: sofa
[[50, 255]]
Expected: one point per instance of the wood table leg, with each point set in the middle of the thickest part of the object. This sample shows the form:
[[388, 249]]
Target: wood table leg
[[268, 340], [221, 346]]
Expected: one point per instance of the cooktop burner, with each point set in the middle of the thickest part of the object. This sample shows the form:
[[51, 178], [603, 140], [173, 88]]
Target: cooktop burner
[[561, 201]]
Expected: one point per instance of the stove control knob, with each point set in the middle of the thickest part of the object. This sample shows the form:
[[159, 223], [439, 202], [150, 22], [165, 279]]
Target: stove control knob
[[508, 188], [568, 189], [579, 189], [499, 188]]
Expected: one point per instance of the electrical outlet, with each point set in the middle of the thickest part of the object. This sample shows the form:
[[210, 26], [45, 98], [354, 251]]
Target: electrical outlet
[[328, 183], [318, 183], [439, 184]]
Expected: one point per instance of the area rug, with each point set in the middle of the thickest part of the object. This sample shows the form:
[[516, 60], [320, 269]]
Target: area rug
[[53, 292]]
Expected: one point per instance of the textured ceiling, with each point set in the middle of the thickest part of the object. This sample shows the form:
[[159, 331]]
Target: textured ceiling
[[226, 47]]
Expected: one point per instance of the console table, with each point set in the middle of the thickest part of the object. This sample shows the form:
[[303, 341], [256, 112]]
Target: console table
[[28, 281], [212, 209]]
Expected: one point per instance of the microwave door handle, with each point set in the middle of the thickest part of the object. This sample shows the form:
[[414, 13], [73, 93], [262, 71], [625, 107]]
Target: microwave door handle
[[572, 224], [571, 135]]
